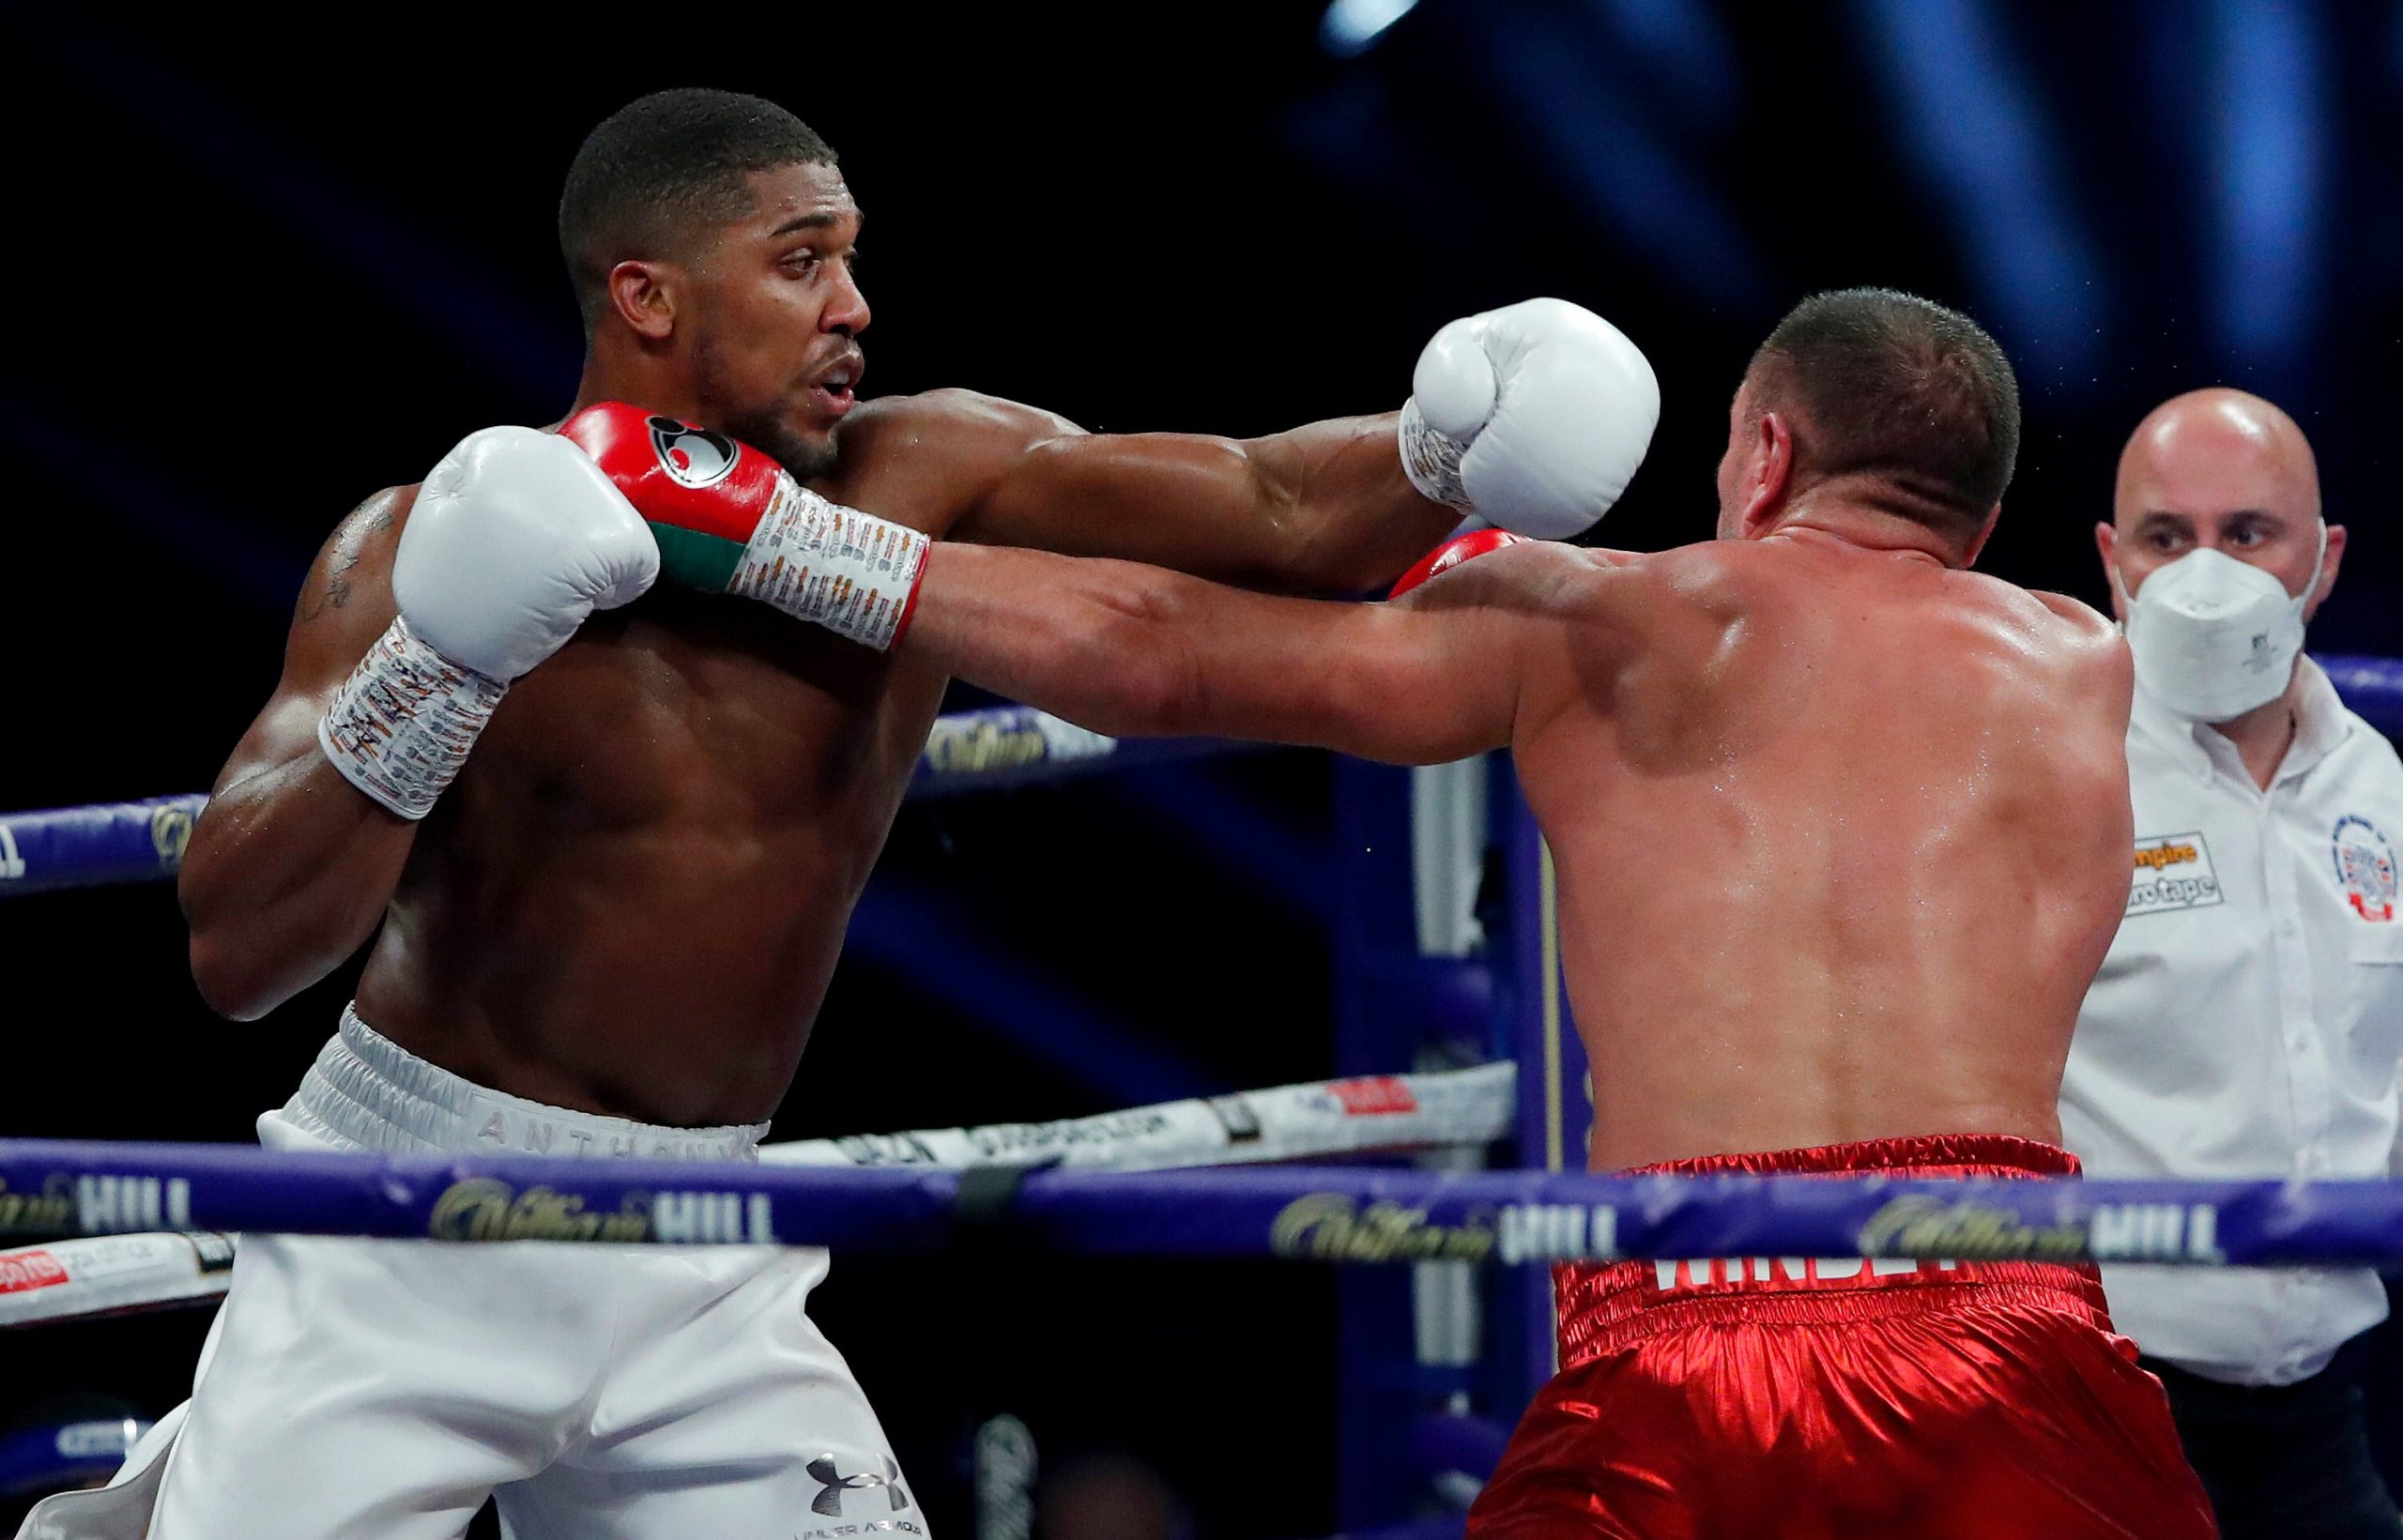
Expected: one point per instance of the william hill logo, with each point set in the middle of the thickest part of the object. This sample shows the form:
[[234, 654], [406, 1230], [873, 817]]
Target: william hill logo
[[98, 1203], [985, 745], [2111, 1232], [483, 1208], [1331, 1227]]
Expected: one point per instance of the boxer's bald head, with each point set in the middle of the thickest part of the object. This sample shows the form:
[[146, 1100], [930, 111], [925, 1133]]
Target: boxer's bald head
[[1911, 407], [2225, 470]]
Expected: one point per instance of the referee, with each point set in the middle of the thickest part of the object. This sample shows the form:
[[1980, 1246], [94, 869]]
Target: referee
[[2249, 1018]]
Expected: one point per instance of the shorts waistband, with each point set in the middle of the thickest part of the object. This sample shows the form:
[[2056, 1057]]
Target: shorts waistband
[[366, 1091], [1606, 1305], [1921, 1155]]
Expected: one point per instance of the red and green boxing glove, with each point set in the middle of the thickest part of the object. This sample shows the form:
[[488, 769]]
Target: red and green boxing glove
[[730, 520]]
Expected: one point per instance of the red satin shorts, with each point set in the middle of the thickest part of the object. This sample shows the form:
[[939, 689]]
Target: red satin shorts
[[1836, 1399]]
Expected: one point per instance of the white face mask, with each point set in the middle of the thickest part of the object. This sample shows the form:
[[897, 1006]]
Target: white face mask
[[2215, 637]]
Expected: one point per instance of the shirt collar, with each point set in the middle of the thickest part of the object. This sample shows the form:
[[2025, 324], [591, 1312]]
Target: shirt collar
[[2321, 722]]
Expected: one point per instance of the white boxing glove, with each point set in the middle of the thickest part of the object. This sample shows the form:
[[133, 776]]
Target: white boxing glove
[[516, 538], [1533, 416]]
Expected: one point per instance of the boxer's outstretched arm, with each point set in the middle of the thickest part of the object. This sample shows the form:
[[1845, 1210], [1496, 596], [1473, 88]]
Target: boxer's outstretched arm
[[289, 867], [1135, 651], [1321, 509]]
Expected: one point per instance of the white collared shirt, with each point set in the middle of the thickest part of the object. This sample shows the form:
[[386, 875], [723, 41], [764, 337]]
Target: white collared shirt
[[2249, 1018]]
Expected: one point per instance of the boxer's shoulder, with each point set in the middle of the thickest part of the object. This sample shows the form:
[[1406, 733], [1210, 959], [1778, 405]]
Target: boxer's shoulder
[[957, 428], [1667, 609], [1713, 580], [957, 413], [2080, 621], [2090, 649], [928, 458], [2035, 623], [376, 518], [2012, 650], [359, 553]]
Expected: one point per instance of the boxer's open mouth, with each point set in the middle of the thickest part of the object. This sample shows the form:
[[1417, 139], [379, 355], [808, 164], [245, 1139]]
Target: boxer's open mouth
[[831, 391]]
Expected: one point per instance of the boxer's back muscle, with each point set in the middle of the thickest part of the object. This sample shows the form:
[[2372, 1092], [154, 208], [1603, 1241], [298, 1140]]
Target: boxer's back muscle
[[1842, 839]]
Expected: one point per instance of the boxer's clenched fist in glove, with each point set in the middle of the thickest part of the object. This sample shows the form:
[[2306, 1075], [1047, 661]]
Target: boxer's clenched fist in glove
[[517, 537], [1442, 559], [729, 520], [1533, 416]]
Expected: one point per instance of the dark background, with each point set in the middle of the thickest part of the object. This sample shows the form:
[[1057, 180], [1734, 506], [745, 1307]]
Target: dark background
[[257, 276]]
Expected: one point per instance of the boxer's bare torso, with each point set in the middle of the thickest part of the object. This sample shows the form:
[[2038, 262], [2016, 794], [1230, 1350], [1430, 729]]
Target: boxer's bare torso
[[632, 898], [1841, 837], [638, 887], [1842, 834]]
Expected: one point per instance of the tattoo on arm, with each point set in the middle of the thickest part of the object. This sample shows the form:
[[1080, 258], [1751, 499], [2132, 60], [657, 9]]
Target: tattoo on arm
[[348, 544]]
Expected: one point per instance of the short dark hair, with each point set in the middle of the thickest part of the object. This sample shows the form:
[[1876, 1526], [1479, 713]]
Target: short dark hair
[[661, 167], [1889, 386]]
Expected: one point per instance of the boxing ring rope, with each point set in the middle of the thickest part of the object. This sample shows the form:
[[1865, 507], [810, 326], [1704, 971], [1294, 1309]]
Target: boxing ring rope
[[1348, 1214], [36, 1460], [995, 747], [115, 1273]]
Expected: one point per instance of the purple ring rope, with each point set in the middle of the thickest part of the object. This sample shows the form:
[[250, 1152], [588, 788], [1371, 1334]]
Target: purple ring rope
[[996, 747], [1325, 1213]]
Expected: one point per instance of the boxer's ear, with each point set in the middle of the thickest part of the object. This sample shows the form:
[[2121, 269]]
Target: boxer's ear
[[2107, 545], [1769, 480], [643, 295], [1984, 533]]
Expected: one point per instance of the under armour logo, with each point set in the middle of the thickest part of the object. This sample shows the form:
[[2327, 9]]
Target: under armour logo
[[834, 1484]]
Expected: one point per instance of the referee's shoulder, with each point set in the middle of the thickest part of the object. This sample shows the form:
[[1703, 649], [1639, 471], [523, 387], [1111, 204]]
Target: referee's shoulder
[[2373, 752]]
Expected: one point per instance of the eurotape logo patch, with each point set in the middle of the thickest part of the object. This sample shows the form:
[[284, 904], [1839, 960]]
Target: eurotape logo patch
[[2173, 871]]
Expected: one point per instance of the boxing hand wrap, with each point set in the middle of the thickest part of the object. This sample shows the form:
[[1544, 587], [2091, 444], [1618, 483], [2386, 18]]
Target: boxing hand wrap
[[730, 520], [401, 725], [513, 540], [851, 572], [1535, 416], [1449, 555]]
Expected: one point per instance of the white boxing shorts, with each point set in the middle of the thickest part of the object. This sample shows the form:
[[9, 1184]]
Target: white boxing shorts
[[385, 1388]]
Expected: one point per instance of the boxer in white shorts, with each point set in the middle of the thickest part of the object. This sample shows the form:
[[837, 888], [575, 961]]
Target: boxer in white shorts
[[620, 892], [651, 1391]]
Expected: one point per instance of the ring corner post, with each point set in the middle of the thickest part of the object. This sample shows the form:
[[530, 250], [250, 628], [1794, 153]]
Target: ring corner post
[[1556, 1095], [1374, 950]]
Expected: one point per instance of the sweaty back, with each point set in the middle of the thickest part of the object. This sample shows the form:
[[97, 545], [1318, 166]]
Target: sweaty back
[[1841, 837]]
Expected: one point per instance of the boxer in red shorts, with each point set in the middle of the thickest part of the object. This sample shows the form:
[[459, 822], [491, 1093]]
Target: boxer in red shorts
[[1842, 830], [1824, 1398]]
